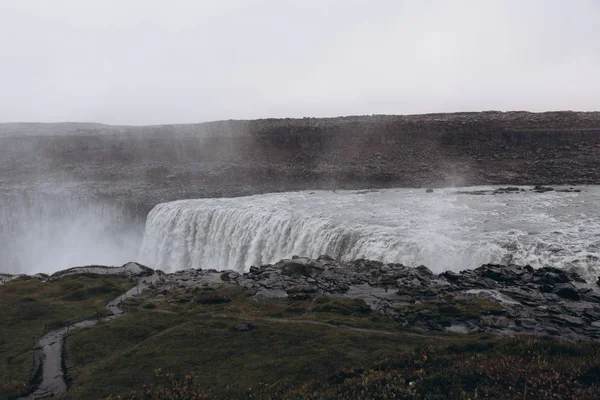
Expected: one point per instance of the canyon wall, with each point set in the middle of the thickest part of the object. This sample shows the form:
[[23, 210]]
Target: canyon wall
[[147, 165]]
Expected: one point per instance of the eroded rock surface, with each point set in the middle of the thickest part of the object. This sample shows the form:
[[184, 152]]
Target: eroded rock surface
[[493, 298]]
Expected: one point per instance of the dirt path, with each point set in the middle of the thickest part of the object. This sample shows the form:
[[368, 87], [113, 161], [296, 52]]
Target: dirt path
[[48, 354], [328, 325]]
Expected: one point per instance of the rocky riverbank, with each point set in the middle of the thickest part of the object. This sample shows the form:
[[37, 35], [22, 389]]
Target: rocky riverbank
[[500, 299], [360, 297], [497, 299]]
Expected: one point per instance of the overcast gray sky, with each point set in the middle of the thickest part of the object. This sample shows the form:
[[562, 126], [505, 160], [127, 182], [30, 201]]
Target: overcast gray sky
[[177, 61]]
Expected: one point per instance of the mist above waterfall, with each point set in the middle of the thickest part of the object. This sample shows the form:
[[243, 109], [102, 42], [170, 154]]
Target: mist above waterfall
[[45, 233], [442, 230], [73, 194]]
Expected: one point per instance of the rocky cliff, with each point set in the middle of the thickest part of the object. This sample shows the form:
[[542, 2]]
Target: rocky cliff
[[147, 165]]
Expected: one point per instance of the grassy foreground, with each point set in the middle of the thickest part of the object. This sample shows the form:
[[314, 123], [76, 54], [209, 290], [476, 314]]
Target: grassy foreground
[[30, 307], [327, 348], [323, 349]]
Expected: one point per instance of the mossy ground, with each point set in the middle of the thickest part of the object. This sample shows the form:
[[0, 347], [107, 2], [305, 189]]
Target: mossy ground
[[318, 349], [449, 309], [326, 348], [29, 306]]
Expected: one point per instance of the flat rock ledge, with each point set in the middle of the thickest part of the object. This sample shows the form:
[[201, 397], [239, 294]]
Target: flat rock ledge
[[499, 299]]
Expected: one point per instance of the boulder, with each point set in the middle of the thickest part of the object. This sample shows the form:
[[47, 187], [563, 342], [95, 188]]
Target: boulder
[[527, 323], [244, 327], [503, 299], [301, 292], [229, 275], [424, 271], [498, 273], [299, 267], [568, 320], [567, 291]]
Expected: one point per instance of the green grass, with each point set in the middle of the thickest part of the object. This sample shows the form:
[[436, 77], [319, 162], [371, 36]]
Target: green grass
[[450, 309], [326, 348], [497, 368], [294, 353], [223, 359], [200, 340], [342, 306], [30, 306]]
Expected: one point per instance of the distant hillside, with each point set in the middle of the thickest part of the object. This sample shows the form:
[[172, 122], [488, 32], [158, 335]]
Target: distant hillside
[[149, 164], [514, 120]]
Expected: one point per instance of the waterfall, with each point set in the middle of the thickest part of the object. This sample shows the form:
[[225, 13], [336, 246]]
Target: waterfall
[[230, 234], [444, 230]]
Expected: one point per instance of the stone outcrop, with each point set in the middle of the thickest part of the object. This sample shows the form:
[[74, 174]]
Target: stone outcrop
[[492, 298], [129, 270], [497, 299]]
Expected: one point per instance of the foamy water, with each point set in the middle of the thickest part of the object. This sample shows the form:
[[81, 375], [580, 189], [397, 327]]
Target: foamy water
[[442, 230]]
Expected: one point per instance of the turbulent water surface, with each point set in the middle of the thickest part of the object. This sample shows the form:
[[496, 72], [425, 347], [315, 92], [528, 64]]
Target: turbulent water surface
[[442, 230]]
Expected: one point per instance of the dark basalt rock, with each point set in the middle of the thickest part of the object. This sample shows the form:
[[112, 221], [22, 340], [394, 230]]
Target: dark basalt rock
[[513, 190], [567, 291], [300, 266], [497, 273], [450, 276], [493, 298], [500, 299], [543, 189], [301, 292], [244, 327], [527, 323], [424, 271], [569, 320]]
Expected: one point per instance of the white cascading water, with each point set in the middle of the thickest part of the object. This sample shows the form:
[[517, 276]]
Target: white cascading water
[[442, 230]]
